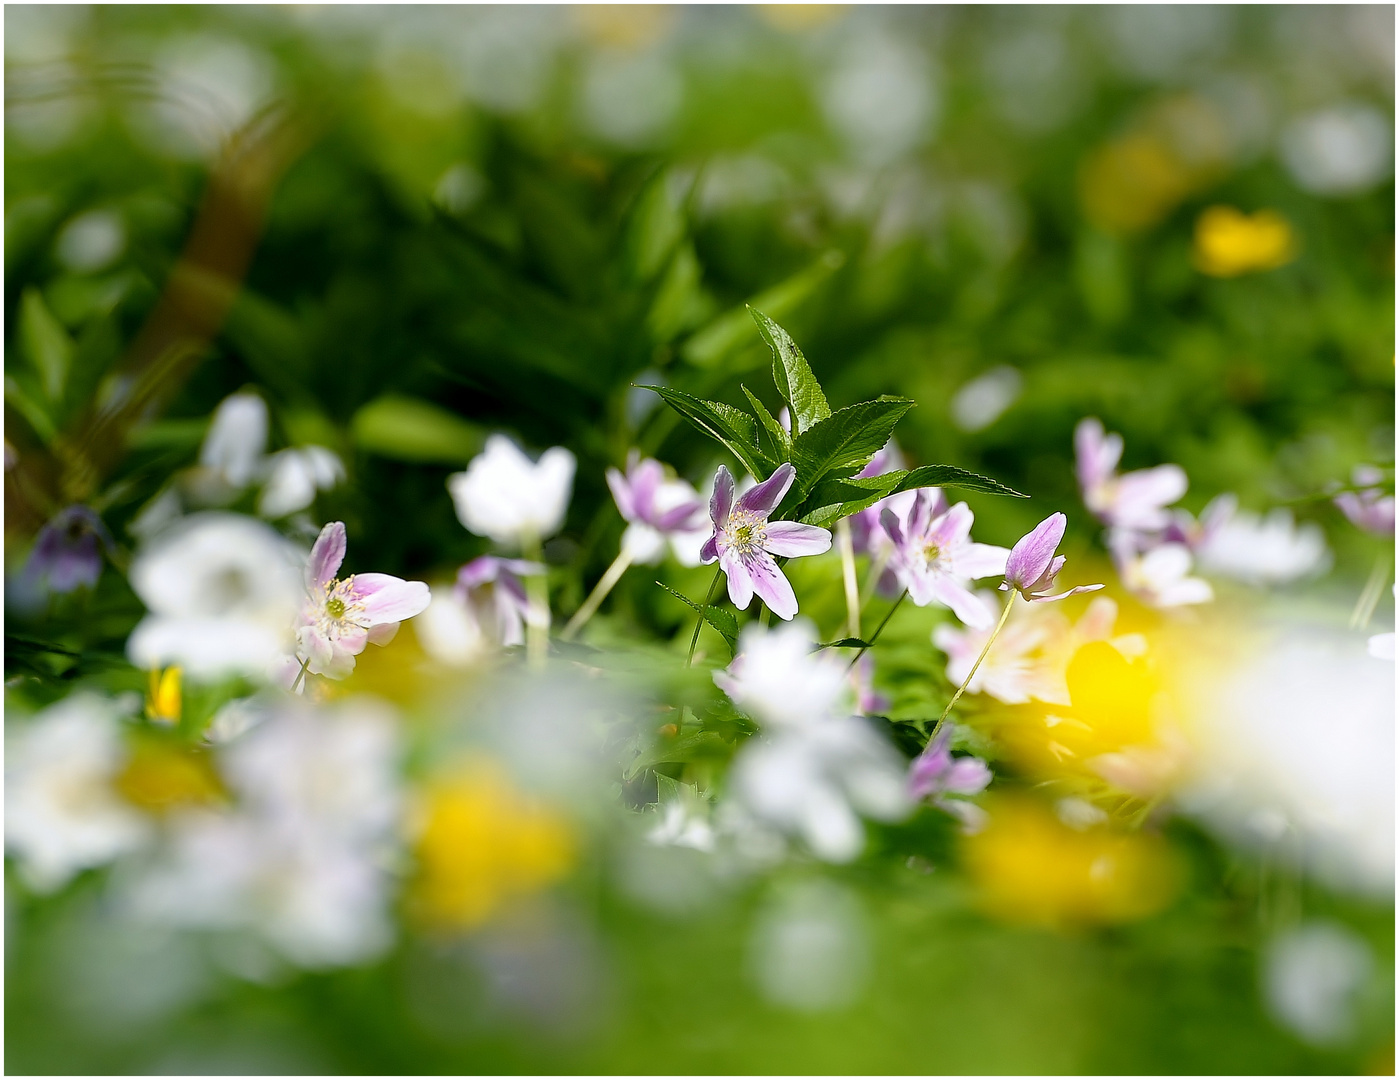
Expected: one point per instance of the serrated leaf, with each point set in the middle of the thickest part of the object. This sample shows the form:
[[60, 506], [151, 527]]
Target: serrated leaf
[[791, 372], [845, 441], [720, 619], [781, 441], [733, 427], [952, 476], [838, 497]]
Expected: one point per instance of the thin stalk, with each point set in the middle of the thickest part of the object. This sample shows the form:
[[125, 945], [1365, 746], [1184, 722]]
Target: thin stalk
[[537, 622], [877, 568], [1370, 595], [595, 598], [699, 618], [878, 629], [300, 675], [1005, 613], [852, 585]]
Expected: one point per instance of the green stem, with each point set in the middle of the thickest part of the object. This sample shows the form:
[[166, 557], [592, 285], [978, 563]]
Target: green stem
[[699, 618], [301, 674], [1005, 613], [878, 629], [537, 620], [598, 595], [1370, 595], [847, 568]]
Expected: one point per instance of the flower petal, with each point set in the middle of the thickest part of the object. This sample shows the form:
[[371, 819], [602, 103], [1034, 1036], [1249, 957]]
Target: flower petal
[[621, 494], [383, 633], [1032, 553], [709, 550], [1060, 596], [326, 556], [763, 498], [772, 585], [965, 604], [967, 776], [389, 599], [721, 502], [980, 560], [740, 584], [793, 539], [952, 528]]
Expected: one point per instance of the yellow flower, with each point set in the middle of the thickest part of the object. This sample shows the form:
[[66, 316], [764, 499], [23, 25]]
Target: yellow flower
[[161, 774], [163, 702], [1029, 867], [1132, 183], [1229, 242], [482, 844]]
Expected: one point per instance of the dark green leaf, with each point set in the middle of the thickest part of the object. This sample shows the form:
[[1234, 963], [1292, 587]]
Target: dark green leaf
[[791, 372], [845, 441], [45, 344], [721, 619], [839, 497], [733, 427], [952, 476], [845, 643], [781, 441]]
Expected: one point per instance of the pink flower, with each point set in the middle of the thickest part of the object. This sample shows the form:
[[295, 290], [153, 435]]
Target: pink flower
[[340, 617], [935, 774], [1136, 500], [934, 558], [864, 525], [494, 582], [1160, 575], [745, 542], [1371, 509], [658, 509], [1033, 566]]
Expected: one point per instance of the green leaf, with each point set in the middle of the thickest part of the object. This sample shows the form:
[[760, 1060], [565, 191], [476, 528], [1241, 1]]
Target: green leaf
[[953, 477], [845, 643], [721, 619], [410, 429], [791, 372], [733, 427], [45, 343], [781, 441], [838, 497], [845, 441], [684, 748]]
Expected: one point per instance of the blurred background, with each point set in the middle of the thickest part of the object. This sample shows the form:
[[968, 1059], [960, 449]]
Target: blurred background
[[409, 227]]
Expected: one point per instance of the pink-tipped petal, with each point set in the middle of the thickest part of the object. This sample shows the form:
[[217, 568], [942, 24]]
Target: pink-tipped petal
[[967, 776], [951, 528], [621, 494], [645, 480], [326, 556], [793, 539], [679, 517], [889, 521], [390, 599], [763, 498], [772, 585], [1143, 493], [721, 502], [709, 550], [1033, 552], [740, 584], [1060, 596]]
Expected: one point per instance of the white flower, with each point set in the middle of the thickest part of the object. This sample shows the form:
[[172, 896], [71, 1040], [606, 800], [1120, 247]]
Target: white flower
[[299, 860], [683, 824], [1259, 551], [236, 440], [1381, 646], [1294, 747], [294, 476], [1313, 976], [507, 497], [222, 590], [61, 813], [779, 679], [1160, 577], [814, 782], [449, 630]]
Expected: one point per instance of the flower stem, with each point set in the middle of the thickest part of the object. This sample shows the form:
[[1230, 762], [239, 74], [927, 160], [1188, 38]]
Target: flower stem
[[300, 675], [699, 617], [876, 571], [537, 621], [852, 585], [1370, 595], [878, 629], [598, 595], [1005, 613]]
